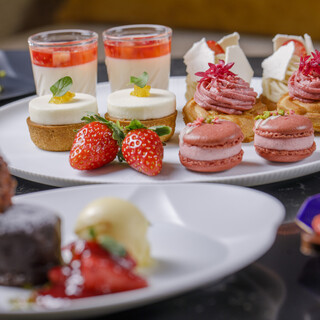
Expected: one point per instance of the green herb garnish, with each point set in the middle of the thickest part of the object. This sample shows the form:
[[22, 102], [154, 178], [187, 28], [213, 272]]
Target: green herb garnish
[[112, 246], [140, 81], [61, 87], [92, 233], [267, 114]]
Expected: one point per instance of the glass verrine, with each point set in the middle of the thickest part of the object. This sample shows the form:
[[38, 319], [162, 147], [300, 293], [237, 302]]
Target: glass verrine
[[59, 53], [132, 49]]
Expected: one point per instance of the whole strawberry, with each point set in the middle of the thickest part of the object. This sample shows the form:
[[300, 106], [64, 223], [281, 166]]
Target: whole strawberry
[[93, 147], [143, 151]]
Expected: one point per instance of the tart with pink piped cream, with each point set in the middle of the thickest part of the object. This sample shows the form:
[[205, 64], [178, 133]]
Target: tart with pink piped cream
[[209, 51], [222, 93], [282, 137], [304, 90]]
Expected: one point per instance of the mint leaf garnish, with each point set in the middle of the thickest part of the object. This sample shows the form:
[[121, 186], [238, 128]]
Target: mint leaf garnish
[[61, 87], [92, 233], [112, 246], [140, 81]]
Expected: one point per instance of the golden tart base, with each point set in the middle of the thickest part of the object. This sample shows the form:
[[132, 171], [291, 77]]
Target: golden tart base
[[169, 121], [270, 104], [192, 111], [310, 110], [51, 137]]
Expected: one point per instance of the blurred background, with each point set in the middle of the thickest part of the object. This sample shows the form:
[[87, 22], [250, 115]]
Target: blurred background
[[257, 21]]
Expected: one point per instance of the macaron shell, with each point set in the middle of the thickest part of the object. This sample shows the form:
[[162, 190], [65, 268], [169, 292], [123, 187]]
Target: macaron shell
[[285, 155], [214, 134], [211, 166], [284, 126]]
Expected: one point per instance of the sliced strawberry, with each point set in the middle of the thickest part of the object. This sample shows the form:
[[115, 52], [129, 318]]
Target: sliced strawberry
[[93, 147], [143, 151], [91, 271], [215, 47], [300, 49], [57, 276], [104, 275]]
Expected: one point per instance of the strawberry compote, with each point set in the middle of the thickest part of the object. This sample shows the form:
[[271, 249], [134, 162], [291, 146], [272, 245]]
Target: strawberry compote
[[56, 54], [91, 271], [131, 50]]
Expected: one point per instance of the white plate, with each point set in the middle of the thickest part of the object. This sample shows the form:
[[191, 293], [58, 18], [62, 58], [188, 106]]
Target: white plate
[[29, 162], [197, 236]]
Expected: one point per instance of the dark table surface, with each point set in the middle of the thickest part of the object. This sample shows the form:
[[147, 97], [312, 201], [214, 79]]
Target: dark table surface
[[282, 284]]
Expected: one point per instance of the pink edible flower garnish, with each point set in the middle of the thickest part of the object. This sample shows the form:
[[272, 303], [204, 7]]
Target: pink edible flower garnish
[[310, 65], [219, 70], [196, 123]]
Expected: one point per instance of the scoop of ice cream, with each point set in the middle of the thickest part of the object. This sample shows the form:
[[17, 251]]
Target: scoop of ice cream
[[120, 220], [7, 186]]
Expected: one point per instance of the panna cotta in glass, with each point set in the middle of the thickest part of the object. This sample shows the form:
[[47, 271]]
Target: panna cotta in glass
[[60, 53], [130, 50]]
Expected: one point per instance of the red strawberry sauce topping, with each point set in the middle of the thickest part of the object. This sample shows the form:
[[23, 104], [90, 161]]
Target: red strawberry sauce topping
[[221, 90], [304, 84], [92, 271]]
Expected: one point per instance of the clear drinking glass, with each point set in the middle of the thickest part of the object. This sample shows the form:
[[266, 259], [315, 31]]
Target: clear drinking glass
[[130, 50], [59, 53]]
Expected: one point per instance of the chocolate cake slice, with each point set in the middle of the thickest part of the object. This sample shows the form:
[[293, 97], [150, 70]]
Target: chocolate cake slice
[[7, 186], [29, 244]]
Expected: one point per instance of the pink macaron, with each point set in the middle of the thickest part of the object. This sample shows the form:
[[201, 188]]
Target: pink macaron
[[284, 137], [211, 147]]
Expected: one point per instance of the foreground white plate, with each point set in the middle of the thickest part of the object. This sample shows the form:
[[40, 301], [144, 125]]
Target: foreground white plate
[[29, 162], [199, 233]]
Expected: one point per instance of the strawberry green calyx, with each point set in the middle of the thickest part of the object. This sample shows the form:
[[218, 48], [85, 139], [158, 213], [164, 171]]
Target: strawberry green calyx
[[159, 130], [135, 124], [117, 130], [119, 133]]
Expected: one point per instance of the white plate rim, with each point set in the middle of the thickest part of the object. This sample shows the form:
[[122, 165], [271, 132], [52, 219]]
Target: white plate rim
[[295, 170], [260, 247]]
